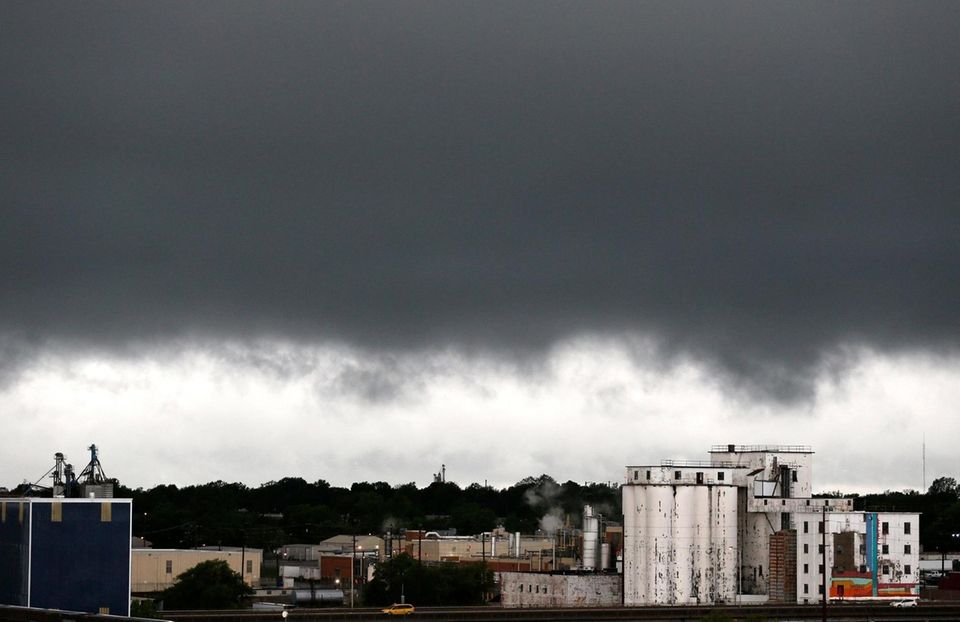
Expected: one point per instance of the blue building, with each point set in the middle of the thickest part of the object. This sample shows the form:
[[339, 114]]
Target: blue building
[[71, 554]]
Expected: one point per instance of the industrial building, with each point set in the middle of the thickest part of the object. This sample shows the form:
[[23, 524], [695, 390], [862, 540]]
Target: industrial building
[[154, 570], [737, 527], [529, 589], [71, 554], [867, 554]]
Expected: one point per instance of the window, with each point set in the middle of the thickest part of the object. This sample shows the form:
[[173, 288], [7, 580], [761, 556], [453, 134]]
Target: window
[[886, 569], [885, 528], [906, 549], [806, 588], [676, 475], [806, 527], [820, 527], [169, 566], [820, 589], [806, 569], [906, 569], [906, 528], [648, 474], [636, 474], [793, 476], [820, 549], [249, 566], [820, 569], [761, 569], [521, 588], [808, 501], [538, 589], [885, 549], [699, 477], [720, 477], [806, 548]]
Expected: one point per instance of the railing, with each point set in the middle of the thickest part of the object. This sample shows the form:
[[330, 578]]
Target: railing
[[787, 449]]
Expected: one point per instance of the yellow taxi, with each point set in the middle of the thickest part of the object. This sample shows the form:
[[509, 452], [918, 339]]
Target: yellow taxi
[[398, 610]]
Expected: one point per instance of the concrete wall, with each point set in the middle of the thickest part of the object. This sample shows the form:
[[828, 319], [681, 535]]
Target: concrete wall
[[153, 570], [530, 589], [800, 459]]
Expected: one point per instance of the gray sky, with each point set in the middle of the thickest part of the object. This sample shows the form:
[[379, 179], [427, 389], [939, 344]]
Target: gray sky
[[353, 240]]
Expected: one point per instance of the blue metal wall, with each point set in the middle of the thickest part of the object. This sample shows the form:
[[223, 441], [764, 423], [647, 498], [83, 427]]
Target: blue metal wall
[[871, 545], [14, 535], [81, 562]]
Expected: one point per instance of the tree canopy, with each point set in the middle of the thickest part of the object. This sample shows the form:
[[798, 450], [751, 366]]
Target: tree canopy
[[294, 510], [208, 585], [402, 578]]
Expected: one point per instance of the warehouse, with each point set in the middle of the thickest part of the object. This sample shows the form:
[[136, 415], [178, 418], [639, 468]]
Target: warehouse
[[71, 554]]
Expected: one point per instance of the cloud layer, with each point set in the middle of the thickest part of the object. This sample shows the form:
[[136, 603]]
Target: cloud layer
[[752, 185], [593, 408]]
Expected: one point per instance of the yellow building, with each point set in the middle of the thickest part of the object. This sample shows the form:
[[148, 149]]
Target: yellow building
[[154, 570]]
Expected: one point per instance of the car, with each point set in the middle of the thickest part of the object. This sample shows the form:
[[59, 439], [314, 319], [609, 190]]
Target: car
[[904, 602], [399, 610]]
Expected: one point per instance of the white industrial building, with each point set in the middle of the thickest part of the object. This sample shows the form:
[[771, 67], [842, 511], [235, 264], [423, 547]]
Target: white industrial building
[[531, 589], [860, 546], [732, 528]]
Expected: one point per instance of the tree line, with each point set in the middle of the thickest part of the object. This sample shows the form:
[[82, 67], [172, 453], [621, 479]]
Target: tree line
[[293, 510]]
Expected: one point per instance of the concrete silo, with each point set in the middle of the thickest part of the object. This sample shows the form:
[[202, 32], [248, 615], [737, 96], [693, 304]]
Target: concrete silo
[[680, 535]]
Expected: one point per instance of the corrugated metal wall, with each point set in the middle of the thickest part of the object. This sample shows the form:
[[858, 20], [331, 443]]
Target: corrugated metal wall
[[81, 561], [14, 535]]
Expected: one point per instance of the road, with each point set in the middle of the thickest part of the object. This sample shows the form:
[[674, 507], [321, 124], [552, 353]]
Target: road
[[858, 612]]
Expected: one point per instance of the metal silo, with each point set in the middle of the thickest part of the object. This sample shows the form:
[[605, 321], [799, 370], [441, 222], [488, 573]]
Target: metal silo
[[591, 538]]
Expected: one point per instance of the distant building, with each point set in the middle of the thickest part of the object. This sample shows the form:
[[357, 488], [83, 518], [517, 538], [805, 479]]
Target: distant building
[[344, 542], [154, 570], [71, 554], [737, 527], [432, 546]]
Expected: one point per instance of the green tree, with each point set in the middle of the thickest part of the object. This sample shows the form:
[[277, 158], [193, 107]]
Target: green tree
[[946, 486], [208, 585], [428, 584]]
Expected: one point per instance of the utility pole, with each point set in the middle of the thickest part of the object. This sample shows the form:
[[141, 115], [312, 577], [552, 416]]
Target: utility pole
[[483, 565], [823, 557], [353, 563]]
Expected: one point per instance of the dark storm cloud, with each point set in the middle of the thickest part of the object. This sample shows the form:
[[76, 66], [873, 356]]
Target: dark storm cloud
[[752, 183]]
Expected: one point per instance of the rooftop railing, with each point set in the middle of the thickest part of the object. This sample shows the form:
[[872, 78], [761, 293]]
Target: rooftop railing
[[787, 449]]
